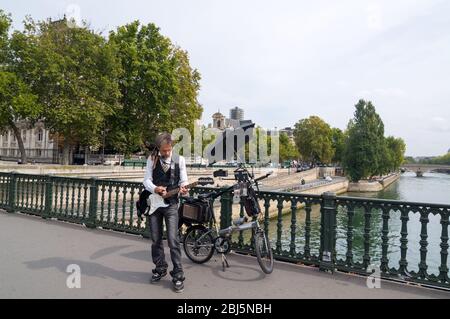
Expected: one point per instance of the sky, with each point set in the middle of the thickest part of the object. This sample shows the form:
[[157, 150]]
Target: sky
[[282, 61]]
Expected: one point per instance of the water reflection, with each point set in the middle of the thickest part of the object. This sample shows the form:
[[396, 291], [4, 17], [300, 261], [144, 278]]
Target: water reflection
[[433, 188]]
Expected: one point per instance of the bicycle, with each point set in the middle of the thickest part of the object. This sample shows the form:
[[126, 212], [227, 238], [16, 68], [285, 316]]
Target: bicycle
[[203, 236]]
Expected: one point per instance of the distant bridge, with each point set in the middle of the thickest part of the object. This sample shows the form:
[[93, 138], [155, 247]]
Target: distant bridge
[[420, 169]]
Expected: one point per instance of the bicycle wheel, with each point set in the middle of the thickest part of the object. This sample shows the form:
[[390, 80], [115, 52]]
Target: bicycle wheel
[[198, 244], [263, 251]]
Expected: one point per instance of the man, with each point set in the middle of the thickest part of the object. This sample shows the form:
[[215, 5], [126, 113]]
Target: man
[[163, 171]]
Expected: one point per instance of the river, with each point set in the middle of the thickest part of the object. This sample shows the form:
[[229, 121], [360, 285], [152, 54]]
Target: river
[[432, 188]]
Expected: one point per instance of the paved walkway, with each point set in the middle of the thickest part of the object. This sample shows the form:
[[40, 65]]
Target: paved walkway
[[35, 254]]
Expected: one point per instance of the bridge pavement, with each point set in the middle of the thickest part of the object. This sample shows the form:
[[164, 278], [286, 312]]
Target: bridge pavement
[[35, 254]]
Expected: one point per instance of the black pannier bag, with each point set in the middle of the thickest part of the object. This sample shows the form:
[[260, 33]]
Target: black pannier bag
[[194, 210], [251, 203]]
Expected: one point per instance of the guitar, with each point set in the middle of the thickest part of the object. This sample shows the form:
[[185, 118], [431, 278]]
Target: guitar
[[156, 201]]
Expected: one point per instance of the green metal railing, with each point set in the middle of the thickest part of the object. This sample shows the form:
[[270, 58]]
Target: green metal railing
[[319, 230]]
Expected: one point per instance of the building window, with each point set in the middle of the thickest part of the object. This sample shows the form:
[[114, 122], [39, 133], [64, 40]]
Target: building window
[[38, 153], [24, 135], [40, 135]]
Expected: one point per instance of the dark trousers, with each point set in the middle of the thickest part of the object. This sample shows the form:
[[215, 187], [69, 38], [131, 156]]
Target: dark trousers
[[170, 216]]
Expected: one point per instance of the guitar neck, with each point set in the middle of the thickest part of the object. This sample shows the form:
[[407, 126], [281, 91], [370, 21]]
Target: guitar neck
[[176, 190]]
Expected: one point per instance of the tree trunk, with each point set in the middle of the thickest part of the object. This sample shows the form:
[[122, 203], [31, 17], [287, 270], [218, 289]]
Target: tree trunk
[[66, 154], [23, 155]]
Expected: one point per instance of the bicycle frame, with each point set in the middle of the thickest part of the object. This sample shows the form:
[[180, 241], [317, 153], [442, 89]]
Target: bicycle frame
[[218, 240]]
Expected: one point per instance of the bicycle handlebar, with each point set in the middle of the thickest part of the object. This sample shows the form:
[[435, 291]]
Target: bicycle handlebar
[[216, 194]]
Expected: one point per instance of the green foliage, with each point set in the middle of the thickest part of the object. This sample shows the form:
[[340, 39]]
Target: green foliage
[[125, 89], [367, 152], [287, 150], [16, 101], [409, 160], [338, 143], [158, 87], [5, 24], [74, 72], [396, 148], [440, 160], [313, 138], [363, 154]]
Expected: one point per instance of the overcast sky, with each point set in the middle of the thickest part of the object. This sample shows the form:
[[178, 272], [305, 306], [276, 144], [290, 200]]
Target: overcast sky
[[282, 61]]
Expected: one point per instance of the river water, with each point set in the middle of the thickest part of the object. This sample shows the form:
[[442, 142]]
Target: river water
[[432, 188]]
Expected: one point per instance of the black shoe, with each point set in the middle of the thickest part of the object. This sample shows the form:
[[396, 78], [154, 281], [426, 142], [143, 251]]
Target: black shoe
[[178, 285], [157, 276]]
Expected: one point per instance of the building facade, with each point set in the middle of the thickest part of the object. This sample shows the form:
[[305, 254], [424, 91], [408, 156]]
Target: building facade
[[37, 141], [237, 113]]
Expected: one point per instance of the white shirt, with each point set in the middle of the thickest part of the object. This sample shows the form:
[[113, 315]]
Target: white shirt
[[148, 179]]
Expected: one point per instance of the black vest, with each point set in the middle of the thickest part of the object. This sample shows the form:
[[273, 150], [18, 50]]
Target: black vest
[[164, 179]]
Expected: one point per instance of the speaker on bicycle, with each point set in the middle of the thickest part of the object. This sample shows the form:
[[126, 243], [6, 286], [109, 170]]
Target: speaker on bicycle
[[251, 203], [194, 210]]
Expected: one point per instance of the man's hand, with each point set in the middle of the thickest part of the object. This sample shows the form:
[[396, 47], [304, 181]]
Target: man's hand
[[183, 190], [160, 190]]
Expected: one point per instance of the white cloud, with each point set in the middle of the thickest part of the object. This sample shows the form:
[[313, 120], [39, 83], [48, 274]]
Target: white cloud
[[383, 92], [439, 124], [374, 17]]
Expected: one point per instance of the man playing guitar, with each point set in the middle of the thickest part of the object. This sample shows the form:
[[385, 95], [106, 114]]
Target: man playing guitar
[[165, 172]]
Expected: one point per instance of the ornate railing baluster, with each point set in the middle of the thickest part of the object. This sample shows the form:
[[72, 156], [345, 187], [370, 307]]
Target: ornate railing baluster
[[102, 203], [42, 196], [131, 223], [67, 197], [307, 249], [266, 215], [61, 197], [109, 202], [22, 191], [349, 253], [85, 198], [116, 205], [72, 202], [443, 268], [367, 216], [279, 225], [423, 244], [78, 198], [292, 245], [404, 241], [34, 183], [124, 205], [384, 267]]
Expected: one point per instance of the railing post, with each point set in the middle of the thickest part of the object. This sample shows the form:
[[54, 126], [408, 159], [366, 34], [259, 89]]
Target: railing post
[[226, 202], [12, 193], [328, 232], [93, 196], [48, 197]]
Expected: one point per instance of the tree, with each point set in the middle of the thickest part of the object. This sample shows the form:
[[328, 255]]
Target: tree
[[363, 154], [396, 148], [5, 24], [313, 138], [17, 102], [74, 72], [338, 142], [158, 87], [287, 150]]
